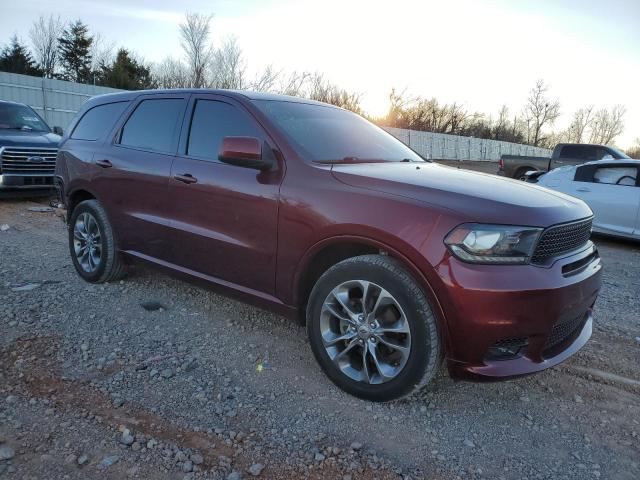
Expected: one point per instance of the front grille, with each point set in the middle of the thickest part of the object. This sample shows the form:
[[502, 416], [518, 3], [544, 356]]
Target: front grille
[[562, 330], [560, 239], [28, 160]]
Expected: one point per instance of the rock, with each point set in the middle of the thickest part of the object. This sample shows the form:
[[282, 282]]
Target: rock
[[234, 476], [167, 373], [108, 461], [197, 459], [319, 457], [180, 456], [82, 459], [71, 458], [10, 399], [136, 446], [256, 469], [6, 452], [356, 446], [469, 443], [4, 227], [578, 398], [151, 444], [126, 438], [187, 466]]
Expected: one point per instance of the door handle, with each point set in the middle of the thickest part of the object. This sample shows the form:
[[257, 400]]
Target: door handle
[[104, 163], [186, 178], [583, 189]]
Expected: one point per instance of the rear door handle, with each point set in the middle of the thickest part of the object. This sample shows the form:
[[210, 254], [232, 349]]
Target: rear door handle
[[186, 178], [583, 189], [104, 163]]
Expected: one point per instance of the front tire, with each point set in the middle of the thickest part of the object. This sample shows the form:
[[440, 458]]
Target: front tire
[[372, 330], [92, 244]]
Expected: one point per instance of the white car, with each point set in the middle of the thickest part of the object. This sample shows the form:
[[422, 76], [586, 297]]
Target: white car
[[610, 188]]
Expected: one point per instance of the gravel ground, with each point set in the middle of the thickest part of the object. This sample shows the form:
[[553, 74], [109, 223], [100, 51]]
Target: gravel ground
[[95, 385]]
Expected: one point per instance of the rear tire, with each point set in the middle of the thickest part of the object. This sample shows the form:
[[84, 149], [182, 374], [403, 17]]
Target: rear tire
[[92, 244], [383, 347]]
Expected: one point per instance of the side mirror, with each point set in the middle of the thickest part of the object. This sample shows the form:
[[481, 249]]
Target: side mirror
[[58, 131], [244, 152]]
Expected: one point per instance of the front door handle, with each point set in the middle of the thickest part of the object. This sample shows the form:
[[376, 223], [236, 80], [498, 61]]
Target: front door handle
[[584, 189], [186, 178], [104, 163]]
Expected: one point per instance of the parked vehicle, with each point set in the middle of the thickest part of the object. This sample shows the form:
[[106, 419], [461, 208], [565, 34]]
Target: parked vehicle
[[28, 149], [517, 166], [394, 262], [610, 188]]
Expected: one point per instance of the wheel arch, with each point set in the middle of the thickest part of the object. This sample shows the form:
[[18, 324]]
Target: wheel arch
[[329, 251]]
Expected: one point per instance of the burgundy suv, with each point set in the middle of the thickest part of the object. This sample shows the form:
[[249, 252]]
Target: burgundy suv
[[394, 262]]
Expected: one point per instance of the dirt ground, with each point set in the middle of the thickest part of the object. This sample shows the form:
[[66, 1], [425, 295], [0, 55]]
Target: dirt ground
[[195, 385]]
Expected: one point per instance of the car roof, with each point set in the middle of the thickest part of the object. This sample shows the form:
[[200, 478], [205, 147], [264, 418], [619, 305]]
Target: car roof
[[14, 103], [130, 95], [612, 161]]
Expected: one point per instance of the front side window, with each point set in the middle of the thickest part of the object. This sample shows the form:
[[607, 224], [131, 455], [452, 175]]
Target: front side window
[[211, 122], [154, 125], [98, 120], [20, 117], [325, 133], [616, 175]]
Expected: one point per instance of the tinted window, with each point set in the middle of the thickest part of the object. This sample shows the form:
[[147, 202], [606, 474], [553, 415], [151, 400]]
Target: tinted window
[[574, 151], [153, 125], [211, 122], [98, 120], [14, 116], [332, 134]]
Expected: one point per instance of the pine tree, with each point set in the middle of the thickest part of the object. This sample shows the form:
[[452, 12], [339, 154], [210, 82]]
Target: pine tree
[[75, 52], [16, 58], [125, 73]]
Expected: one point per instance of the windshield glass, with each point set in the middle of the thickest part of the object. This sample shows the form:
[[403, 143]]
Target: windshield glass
[[20, 117], [331, 134], [619, 153]]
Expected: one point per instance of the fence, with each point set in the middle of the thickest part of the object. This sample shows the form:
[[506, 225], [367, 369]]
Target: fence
[[453, 147], [57, 101]]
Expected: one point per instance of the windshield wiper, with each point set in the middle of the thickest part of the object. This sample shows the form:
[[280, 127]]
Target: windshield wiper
[[348, 160]]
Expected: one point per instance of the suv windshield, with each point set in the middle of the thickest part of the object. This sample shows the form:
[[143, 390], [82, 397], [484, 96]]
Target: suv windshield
[[329, 134], [20, 117]]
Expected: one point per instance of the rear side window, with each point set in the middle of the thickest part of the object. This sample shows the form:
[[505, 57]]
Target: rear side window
[[211, 122], [154, 125], [98, 120]]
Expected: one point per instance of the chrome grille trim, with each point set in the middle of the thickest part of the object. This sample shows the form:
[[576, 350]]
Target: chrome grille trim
[[14, 160]]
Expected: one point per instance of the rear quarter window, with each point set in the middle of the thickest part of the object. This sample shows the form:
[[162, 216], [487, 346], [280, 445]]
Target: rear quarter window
[[98, 120]]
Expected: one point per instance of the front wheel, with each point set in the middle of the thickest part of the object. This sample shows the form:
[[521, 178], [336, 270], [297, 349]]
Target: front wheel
[[372, 330]]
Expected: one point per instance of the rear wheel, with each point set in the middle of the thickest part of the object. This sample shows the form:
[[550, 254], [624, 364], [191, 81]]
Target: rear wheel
[[372, 330], [92, 245]]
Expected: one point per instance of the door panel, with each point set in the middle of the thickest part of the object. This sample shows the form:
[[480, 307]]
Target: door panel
[[615, 207], [224, 218], [133, 180]]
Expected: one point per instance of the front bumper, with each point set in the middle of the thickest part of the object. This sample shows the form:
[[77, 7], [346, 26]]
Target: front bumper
[[546, 309], [26, 182]]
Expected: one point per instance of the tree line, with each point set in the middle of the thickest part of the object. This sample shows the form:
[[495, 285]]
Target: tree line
[[70, 51]]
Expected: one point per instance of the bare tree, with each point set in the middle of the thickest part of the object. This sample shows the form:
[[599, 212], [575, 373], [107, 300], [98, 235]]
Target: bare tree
[[634, 152], [293, 84], [228, 67], [582, 120], [102, 52], [607, 125], [540, 111], [44, 35], [195, 32], [171, 73], [266, 80], [323, 90]]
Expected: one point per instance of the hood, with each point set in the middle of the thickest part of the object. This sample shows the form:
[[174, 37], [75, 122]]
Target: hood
[[478, 197], [13, 138]]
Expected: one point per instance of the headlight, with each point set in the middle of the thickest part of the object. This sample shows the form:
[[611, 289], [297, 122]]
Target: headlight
[[478, 243]]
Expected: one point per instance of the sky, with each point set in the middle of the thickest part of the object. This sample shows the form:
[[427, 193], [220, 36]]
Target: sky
[[482, 53]]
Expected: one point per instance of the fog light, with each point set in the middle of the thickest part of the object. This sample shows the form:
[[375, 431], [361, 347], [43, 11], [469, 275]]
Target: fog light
[[506, 349]]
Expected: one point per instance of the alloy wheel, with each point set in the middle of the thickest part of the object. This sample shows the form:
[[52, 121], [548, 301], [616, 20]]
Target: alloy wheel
[[87, 242], [365, 332]]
